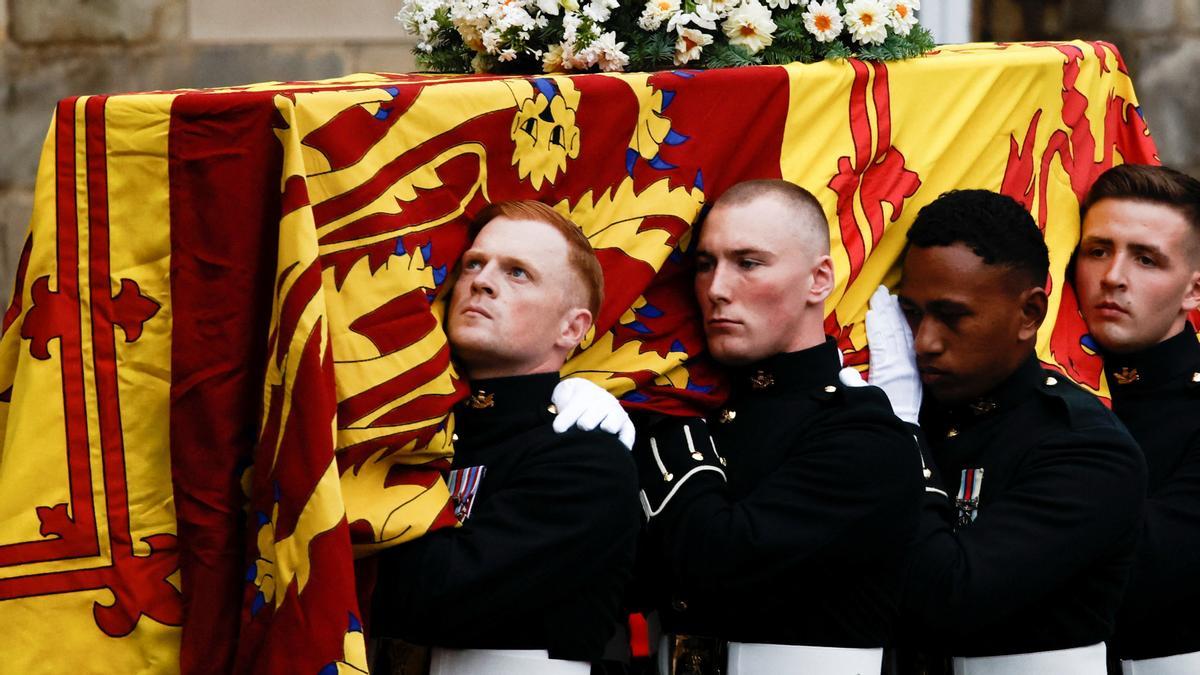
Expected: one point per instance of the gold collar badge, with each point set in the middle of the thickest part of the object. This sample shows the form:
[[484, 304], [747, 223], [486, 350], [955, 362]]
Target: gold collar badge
[[761, 380], [1126, 375], [481, 399], [984, 406]]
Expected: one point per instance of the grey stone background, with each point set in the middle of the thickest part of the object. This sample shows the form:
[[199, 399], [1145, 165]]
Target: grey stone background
[[51, 49]]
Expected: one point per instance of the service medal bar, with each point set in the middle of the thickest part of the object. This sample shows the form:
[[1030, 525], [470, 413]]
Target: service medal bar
[[463, 484], [967, 500]]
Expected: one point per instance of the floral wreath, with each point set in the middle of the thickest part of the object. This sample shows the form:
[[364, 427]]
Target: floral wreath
[[553, 36]]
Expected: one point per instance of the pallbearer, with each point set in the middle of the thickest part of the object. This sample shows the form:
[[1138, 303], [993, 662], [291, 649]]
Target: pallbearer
[[1137, 274], [531, 583], [1021, 566], [779, 522]]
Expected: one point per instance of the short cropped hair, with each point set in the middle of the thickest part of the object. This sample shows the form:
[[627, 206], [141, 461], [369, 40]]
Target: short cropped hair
[[1145, 183], [580, 255], [800, 201], [995, 227]]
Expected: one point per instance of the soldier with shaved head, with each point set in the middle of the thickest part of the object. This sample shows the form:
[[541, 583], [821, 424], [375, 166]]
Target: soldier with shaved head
[[778, 524]]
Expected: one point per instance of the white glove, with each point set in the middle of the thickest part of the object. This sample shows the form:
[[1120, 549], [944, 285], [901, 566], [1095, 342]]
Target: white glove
[[893, 361], [588, 406], [851, 377]]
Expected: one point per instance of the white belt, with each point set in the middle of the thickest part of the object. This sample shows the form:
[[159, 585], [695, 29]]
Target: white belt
[[502, 662], [1077, 661], [1180, 664], [750, 658]]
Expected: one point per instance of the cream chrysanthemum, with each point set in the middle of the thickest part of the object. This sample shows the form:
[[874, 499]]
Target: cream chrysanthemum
[[750, 26], [867, 21], [608, 52], [656, 12], [904, 16], [823, 20], [721, 8], [689, 44]]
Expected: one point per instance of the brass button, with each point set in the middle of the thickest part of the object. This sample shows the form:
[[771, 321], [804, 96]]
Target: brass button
[[668, 477], [951, 432], [726, 416], [1050, 381], [829, 389], [1196, 378], [454, 438], [552, 409], [679, 605], [927, 473]]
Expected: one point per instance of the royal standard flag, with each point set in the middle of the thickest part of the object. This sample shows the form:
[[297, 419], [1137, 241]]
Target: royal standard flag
[[224, 381]]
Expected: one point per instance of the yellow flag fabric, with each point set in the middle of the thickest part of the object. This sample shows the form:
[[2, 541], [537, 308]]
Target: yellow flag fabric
[[223, 375]]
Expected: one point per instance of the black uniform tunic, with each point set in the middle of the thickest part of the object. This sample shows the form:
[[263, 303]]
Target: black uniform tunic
[[1036, 552], [1156, 393], [543, 559], [804, 544]]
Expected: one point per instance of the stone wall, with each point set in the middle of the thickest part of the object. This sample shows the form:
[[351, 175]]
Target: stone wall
[[1160, 40], [51, 49]]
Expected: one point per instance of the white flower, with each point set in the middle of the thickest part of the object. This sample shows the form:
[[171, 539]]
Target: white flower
[[507, 55], [552, 61], [548, 7], [904, 16], [750, 26], [689, 44], [608, 52], [823, 20], [721, 8], [781, 4], [656, 12], [600, 10], [571, 22], [491, 41], [867, 21], [579, 60], [703, 17]]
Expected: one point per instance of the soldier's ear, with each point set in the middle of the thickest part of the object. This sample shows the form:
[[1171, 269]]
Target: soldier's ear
[[1191, 296], [1033, 304], [573, 328], [823, 281]]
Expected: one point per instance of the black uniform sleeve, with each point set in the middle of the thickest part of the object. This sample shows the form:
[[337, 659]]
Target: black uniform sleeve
[[1167, 552], [851, 488], [1080, 494], [571, 511]]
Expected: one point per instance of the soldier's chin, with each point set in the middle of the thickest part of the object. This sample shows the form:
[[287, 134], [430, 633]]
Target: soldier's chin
[[470, 342], [947, 390], [1115, 340], [731, 351]]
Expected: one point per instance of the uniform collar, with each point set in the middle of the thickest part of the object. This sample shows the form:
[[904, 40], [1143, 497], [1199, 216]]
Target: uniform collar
[[815, 367], [1172, 360], [1010, 393], [521, 399]]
